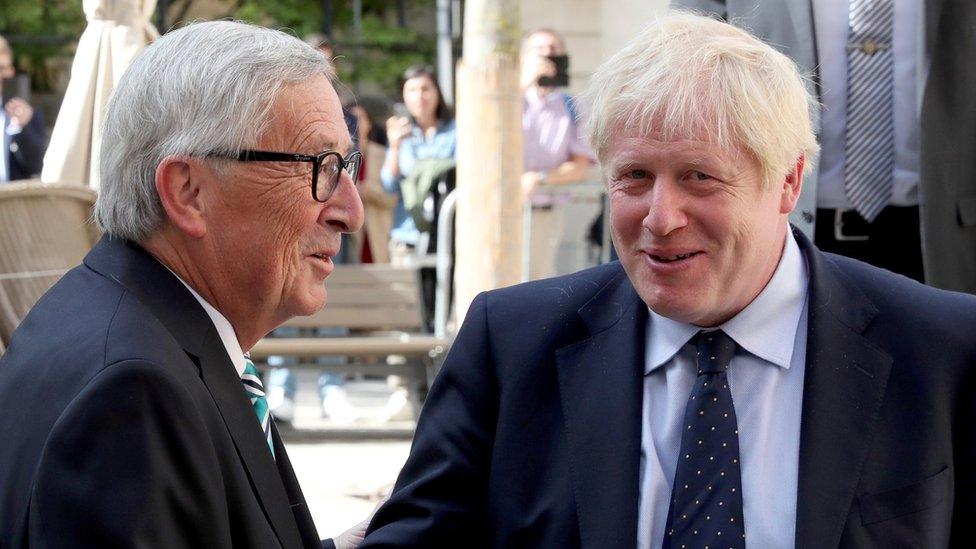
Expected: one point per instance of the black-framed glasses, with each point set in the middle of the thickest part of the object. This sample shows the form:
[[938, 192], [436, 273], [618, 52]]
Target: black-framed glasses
[[328, 164]]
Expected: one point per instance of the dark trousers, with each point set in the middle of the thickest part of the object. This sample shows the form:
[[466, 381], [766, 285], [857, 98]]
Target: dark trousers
[[892, 241]]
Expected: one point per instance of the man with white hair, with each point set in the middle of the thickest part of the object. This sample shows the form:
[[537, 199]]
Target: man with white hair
[[726, 384], [129, 411]]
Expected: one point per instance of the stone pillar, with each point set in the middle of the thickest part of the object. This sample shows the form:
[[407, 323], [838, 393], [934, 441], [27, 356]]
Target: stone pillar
[[489, 151]]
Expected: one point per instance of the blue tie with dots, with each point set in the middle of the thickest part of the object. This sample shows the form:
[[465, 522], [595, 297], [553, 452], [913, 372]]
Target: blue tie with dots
[[706, 499]]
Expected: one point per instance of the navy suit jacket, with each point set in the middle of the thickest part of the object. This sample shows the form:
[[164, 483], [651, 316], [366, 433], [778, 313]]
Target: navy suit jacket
[[123, 422], [531, 433]]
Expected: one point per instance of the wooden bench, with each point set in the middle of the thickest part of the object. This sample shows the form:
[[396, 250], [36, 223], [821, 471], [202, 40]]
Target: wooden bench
[[380, 307]]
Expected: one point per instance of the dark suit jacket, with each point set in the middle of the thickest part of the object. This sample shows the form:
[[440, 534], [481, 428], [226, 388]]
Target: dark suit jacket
[[25, 151], [531, 433], [947, 137], [123, 422]]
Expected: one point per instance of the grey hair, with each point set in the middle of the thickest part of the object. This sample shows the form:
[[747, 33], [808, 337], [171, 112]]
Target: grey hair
[[203, 89], [5, 47], [692, 76]]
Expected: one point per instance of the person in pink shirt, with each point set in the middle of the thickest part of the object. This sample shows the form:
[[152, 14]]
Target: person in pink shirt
[[553, 151]]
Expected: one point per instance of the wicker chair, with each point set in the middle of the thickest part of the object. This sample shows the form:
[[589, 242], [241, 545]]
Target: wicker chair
[[44, 231]]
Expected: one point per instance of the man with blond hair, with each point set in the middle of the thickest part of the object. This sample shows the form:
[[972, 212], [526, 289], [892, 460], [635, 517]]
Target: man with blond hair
[[726, 384]]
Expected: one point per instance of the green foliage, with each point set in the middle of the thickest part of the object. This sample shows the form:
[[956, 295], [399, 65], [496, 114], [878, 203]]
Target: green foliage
[[380, 56], [385, 53], [38, 31], [303, 17]]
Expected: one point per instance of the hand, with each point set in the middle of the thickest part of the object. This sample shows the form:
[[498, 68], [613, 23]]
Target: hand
[[533, 68], [19, 111], [351, 538], [397, 129], [530, 180]]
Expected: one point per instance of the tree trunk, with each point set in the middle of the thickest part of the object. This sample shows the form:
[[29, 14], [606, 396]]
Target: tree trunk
[[489, 151]]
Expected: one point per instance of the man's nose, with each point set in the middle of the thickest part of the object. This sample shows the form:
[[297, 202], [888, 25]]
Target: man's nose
[[344, 209], [665, 209]]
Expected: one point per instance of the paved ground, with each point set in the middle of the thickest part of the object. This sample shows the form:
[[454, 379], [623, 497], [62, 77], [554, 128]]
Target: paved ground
[[342, 481], [345, 468]]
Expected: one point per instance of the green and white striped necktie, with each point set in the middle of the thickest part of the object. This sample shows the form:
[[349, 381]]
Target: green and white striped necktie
[[255, 391]]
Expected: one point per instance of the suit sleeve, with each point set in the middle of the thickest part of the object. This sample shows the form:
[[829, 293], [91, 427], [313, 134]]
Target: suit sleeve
[[440, 497], [129, 464], [30, 145]]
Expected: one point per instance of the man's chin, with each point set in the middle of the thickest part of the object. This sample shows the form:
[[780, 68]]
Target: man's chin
[[680, 305], [311, 303]]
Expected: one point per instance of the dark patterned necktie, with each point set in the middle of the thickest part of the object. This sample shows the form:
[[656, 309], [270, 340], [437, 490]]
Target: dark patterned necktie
[[706, 499]]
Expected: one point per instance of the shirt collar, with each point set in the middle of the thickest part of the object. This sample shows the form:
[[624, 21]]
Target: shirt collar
[[766, 328], [224, 329]]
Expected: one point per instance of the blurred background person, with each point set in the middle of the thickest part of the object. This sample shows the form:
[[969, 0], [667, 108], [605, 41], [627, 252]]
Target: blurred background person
[[371, 245], [422, 146], [420, 139], [23, 127], [553, 150], [422, 150]]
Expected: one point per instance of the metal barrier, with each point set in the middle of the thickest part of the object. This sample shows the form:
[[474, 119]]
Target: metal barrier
[[445, 236], [562, 194], [445, 259]]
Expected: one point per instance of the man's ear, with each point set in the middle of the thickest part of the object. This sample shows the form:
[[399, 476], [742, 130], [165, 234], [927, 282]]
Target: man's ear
[[178, 181], [792, 185]]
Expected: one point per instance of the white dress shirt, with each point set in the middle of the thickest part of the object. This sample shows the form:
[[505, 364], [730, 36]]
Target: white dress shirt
[[4, 147], [766, 381], [224, 329], [831, 29]]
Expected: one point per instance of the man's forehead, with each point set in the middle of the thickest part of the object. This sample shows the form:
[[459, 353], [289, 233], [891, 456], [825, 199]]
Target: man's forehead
[[543, 39], [308, 118], [635, 146]]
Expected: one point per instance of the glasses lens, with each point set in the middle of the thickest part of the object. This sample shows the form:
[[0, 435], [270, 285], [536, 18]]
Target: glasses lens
[[328, 177], [353, 164]]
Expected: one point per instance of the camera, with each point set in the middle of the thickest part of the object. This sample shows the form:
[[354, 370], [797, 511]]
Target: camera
[[561, 78]]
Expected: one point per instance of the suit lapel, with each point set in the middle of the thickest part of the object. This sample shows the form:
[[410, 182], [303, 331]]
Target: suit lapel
[[844, 386], [296, 499], [600, 383], [228, 393], [179, 311]]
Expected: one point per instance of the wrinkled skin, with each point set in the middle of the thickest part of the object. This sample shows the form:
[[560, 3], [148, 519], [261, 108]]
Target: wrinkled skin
[[247, 238]]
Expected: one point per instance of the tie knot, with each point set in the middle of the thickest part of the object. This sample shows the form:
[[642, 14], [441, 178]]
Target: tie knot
[[249, 367], [715, 350]]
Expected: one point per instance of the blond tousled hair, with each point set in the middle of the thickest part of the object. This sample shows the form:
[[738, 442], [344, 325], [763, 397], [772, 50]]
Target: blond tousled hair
[[692, 76]]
